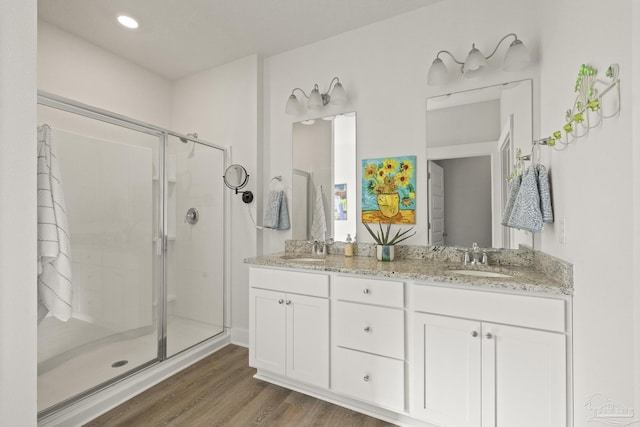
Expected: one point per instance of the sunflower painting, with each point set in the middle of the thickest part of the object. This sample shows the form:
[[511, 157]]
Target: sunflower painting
[[389, 190]]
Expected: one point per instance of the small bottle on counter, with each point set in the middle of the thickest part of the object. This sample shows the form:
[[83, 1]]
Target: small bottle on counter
[[348, 246]]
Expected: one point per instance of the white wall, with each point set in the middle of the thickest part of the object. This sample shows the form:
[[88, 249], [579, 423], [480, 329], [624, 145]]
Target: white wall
[[593, 190], [464, 124], [383, 68], [76, 69], [221, 105], [634, 80], [18, 344]]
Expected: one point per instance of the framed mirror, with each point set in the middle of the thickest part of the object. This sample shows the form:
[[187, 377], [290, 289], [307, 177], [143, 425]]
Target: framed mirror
[[324, 178], [472, 137]]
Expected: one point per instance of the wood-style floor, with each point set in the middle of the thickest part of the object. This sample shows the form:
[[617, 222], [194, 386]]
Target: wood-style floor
[[220, 391]]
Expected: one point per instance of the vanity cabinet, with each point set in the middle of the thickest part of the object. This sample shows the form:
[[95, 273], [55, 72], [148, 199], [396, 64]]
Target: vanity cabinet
[[289, 324], [368, 340], [417, 353], [470, 369]]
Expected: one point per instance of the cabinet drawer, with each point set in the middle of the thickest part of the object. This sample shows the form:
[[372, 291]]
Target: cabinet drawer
[[290, 281], [375, 379], [519, 310], [370, 291], [377, 330]]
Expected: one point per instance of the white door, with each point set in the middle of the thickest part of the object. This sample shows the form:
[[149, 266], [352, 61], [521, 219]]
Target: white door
[[267, 347], [447, 370], [308, 339], [523, 377], [436, 203]]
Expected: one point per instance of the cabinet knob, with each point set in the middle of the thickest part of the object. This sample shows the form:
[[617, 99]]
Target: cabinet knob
[[288, 302], [366, 378], [367, 328], [488, 335], [365, 291], [474, 334], [280, 301]]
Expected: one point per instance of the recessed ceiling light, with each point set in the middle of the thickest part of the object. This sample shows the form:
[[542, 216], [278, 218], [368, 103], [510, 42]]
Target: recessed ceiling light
[[128, 21]]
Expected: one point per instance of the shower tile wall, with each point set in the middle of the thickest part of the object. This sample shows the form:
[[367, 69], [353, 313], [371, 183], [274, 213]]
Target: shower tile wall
[[106, 184]]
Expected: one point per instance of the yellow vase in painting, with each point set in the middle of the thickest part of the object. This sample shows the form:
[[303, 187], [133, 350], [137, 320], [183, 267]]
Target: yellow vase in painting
[[389, 204]]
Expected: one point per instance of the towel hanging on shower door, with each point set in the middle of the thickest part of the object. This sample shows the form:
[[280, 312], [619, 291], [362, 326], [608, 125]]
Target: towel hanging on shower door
[[54, 243]]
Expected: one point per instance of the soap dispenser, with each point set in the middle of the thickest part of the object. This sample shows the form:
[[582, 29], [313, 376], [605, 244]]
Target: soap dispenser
[[348, 246]]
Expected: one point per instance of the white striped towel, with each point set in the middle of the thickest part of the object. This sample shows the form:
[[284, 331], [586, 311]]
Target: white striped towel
[[319, 223], [54, 243]]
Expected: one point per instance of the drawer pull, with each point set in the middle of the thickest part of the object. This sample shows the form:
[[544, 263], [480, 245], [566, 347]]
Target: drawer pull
[[474, 334], [367, 328], [488, 335], [280, 301], [365, 291], [366, 378], [288, 302]]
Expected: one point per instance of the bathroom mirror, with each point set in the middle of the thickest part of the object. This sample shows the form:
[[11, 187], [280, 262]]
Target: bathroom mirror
[[471, 140], [324, 178], [235, 177]]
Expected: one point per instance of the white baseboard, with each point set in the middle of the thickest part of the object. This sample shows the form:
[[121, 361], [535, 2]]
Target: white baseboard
[[98, 403], [240, 337]]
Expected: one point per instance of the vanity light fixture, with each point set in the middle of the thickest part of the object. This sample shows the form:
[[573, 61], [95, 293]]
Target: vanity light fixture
[[127, 21], [516, 58], [335, 95]]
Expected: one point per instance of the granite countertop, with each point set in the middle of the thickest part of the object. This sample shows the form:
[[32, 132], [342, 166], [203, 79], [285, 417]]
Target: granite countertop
[[522, 278]]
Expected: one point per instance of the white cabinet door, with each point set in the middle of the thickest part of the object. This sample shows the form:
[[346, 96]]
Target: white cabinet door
[[308, 339], [523, 377], [267, 344], [447, 368]]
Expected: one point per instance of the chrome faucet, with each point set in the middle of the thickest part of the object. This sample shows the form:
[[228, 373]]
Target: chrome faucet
[[476, 251], [476, 259], [321, 248]]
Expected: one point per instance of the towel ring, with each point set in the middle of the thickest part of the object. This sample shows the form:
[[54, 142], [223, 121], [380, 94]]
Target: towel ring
[[235, 178], [276, 183]]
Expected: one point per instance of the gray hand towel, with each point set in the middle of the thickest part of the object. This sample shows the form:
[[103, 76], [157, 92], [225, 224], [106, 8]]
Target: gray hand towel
[[277, 214], [514, 188], [545, 193], [526, 214]]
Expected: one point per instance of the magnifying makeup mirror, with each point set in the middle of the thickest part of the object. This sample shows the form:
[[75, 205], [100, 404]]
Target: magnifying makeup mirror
[[235, 178]]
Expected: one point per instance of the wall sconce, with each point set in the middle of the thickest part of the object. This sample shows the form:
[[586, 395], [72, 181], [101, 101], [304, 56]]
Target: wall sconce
[[516, 58], [317, 100]]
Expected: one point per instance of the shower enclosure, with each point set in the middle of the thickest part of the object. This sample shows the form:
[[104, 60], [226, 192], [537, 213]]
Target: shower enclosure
[[146, 220]]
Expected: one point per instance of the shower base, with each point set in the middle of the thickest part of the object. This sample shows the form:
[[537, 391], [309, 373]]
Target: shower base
[[79, 370]]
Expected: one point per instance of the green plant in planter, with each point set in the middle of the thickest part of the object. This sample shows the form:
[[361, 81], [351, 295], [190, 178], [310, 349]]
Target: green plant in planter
[[383, 237]]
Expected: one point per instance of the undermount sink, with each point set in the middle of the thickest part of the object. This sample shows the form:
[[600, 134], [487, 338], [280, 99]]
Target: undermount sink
[[302, 259], [479, 273]]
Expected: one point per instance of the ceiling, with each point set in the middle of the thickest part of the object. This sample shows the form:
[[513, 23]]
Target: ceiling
[[180, 37]]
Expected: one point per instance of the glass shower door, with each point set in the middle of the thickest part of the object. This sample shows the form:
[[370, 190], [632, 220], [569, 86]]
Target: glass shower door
[[110, 179], [195, 243]]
